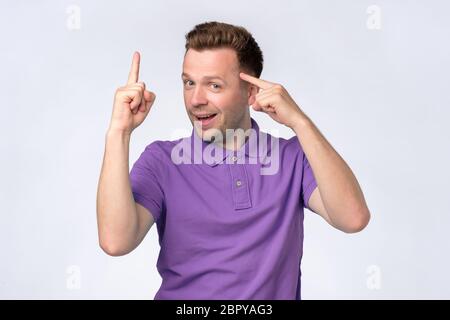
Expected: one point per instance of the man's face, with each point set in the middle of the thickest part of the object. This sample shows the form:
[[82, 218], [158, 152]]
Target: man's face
[[212, 87]]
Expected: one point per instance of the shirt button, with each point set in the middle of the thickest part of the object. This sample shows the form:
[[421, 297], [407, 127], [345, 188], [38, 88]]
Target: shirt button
[[234, 158], [238, 183]]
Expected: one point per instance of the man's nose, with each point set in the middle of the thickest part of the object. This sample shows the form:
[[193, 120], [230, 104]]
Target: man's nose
[[198, 97]]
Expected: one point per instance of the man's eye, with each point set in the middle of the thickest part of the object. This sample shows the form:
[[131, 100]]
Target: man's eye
[[216, 86]]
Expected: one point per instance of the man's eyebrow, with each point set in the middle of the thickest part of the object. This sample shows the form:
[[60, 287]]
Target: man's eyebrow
[[205, 77]]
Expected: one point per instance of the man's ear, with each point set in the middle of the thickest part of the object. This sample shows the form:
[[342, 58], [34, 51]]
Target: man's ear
[[252, 91]]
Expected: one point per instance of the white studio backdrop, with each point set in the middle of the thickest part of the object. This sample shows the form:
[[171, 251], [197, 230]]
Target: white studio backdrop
[[372, 75]]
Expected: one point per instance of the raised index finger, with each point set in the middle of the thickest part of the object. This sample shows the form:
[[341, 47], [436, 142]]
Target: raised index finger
[[134, 72], [263, 84]]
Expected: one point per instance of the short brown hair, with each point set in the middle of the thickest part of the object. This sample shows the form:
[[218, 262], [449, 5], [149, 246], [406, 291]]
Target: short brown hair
[[213, 34]]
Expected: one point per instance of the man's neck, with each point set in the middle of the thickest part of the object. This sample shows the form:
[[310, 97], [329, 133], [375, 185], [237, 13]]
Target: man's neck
[[238, 139]]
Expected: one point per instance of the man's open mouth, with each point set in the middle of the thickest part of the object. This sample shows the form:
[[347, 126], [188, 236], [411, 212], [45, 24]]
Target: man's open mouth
[[206, 119], [206, 116]]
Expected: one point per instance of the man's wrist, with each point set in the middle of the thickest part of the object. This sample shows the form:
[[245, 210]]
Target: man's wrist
[[113, 133], [300, 122]]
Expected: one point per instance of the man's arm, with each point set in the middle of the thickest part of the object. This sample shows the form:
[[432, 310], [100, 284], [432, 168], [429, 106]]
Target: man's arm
[[122, 224], [315, 204], [338, 197]]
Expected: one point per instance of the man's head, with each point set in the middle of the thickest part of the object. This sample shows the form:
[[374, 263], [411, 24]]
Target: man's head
[[215, 55]]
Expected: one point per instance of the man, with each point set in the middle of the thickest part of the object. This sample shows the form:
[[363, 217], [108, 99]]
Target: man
[[226, 230]]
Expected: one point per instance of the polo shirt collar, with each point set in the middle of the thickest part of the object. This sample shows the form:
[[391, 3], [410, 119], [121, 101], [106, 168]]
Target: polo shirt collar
[[255, 135]]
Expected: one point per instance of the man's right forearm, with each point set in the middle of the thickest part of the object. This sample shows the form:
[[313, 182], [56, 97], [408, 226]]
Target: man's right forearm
[[116, 209]]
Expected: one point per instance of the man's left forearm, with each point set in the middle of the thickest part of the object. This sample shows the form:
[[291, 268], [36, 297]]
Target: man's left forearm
[[341, 194]]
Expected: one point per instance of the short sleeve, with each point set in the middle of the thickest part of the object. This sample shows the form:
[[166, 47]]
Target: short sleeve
[[308, 181], [146, 181]]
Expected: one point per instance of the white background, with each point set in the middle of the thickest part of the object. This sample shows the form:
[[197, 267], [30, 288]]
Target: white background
[[380, 97]]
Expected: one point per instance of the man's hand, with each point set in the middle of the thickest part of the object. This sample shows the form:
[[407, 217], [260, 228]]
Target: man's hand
[[131, 102], [273, 99]]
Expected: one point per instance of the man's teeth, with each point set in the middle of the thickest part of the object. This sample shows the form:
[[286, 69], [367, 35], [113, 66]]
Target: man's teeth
[[205, 117]]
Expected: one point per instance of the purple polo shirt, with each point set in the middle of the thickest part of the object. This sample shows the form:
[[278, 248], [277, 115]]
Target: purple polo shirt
[[226, 230]]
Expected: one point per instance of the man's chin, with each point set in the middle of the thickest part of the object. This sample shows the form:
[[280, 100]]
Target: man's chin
[[210, 135]]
